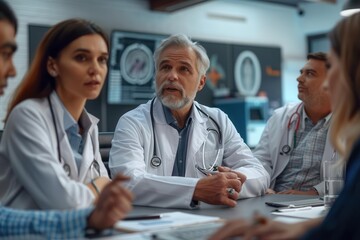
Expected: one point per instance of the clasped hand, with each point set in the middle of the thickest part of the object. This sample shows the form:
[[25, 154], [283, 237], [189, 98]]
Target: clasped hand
[[217, 188]]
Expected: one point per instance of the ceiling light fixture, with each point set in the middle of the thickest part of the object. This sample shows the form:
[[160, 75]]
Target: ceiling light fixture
[[350, 7]]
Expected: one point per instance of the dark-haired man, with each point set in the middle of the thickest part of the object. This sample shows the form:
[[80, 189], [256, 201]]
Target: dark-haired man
[[295, 140]]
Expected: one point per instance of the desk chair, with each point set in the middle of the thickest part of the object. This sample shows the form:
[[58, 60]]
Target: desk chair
[[105, 139]]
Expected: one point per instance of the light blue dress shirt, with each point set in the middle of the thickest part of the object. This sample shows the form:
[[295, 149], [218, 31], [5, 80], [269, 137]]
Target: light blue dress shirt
[[76, 140]]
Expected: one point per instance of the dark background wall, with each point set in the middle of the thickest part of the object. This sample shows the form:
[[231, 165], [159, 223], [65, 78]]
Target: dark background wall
[[223, 55]]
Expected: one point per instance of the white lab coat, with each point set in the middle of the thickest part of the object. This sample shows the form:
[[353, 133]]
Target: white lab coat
[[30, 171], [132, 150], [275, 136]]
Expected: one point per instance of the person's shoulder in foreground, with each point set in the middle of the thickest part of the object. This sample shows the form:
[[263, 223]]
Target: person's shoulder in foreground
[[113, 204]]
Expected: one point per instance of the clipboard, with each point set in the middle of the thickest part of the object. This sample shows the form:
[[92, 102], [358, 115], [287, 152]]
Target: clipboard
[[314, 202]]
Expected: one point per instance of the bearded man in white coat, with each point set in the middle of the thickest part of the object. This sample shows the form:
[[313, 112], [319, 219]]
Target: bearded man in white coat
[[178, 152]]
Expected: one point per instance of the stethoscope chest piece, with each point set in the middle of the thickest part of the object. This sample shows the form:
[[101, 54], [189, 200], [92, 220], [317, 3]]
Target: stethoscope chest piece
[[96, 166], [67, 169], [286, 149], [155, 161]]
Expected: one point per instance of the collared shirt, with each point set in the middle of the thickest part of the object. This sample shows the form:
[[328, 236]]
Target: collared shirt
[[180, 159], [20, 224], [303, 169], [76, 140]]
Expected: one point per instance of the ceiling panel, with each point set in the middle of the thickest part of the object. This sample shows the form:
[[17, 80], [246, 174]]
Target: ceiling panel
[[174, 5], [295, 3]]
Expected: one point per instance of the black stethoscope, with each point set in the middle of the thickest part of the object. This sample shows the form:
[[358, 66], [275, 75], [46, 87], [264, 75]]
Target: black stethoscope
[[286, 149], [155, 160], [66, 166]]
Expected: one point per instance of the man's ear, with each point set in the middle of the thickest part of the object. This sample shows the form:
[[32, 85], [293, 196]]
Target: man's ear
[[202, 82], [52, 67]]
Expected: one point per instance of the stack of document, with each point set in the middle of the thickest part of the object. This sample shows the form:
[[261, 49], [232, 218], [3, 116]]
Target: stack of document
[[165, 220], [302, 212]]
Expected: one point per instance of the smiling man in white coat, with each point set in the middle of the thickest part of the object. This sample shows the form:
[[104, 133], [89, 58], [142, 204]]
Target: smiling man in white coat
[[295, 141], [178, 152]]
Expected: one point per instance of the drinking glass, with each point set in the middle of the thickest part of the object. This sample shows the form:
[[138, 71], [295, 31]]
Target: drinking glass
[[334, 172]]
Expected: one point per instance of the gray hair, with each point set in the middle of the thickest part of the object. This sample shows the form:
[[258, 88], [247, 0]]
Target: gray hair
[[181, 40]]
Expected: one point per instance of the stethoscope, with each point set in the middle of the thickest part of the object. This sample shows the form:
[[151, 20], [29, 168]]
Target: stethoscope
[[66, 166], [156, 160], [286, 149]]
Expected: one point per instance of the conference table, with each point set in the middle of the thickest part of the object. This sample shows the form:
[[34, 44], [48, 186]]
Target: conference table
[[245, 208]]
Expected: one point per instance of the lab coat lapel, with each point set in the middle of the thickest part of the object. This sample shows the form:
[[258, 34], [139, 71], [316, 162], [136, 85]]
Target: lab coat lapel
[[198, 133], [165, 148], [67, 156], [88, 158]]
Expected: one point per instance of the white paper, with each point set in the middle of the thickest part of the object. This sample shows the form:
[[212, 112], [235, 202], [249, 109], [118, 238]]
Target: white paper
[[289, 219], [314, 212], [167, 220]]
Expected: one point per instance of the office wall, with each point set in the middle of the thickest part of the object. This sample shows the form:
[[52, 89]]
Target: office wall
[[233, 21]]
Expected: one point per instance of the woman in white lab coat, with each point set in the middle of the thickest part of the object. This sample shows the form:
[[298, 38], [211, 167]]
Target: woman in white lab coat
[[49, 153]]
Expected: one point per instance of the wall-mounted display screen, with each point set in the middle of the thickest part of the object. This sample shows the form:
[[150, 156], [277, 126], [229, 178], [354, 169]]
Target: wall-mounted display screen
[[131, 67]]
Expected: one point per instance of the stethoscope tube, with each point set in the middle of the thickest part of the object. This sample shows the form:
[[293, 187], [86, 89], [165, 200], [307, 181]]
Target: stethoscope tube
[[286, 149], [55, 126], [155, 160]]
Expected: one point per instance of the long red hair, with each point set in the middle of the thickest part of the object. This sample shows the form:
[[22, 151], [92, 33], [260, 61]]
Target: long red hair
[[38, 83]]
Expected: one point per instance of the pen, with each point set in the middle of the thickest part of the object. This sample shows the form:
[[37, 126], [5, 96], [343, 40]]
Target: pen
[[142, 217], [293, 209]]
